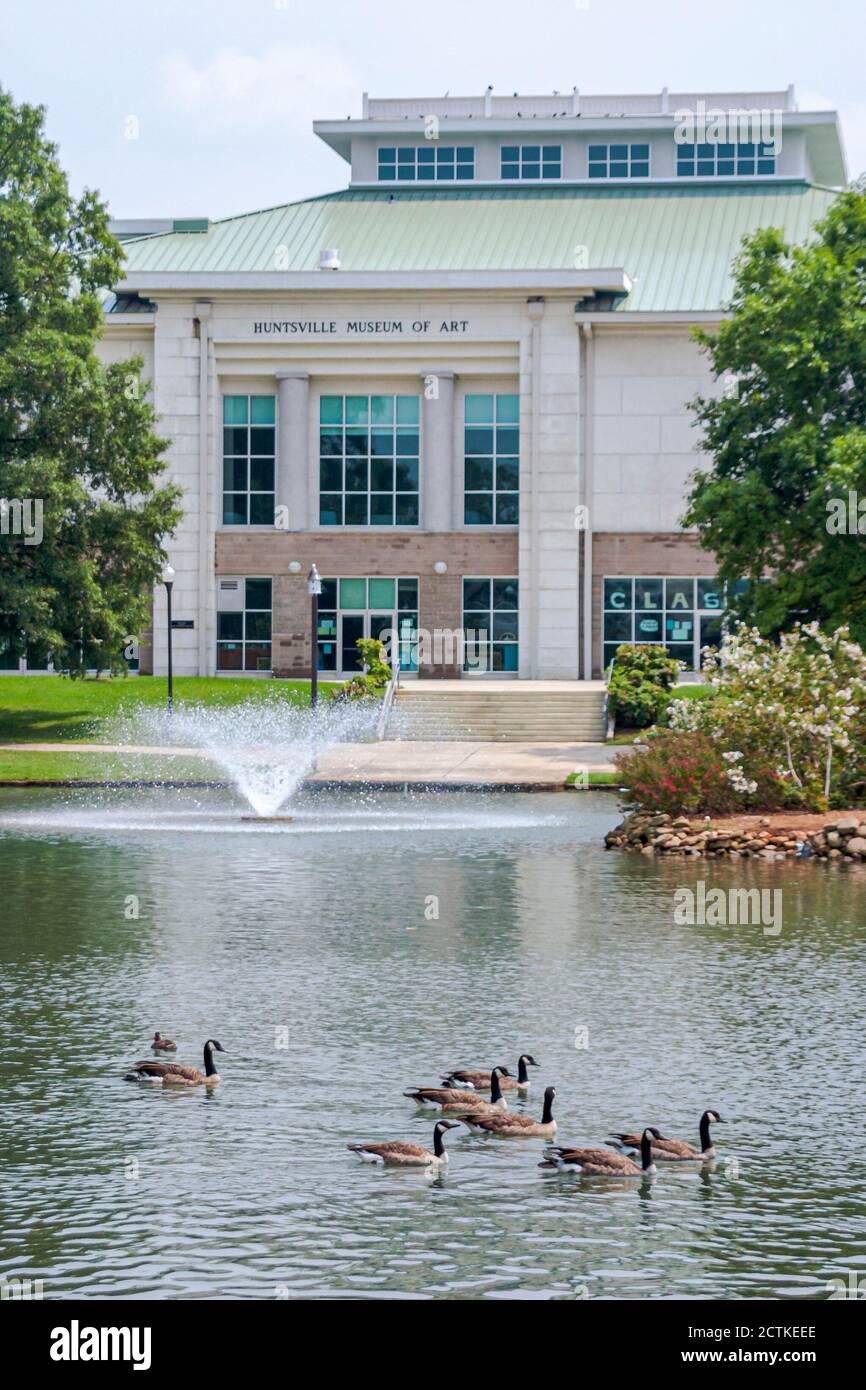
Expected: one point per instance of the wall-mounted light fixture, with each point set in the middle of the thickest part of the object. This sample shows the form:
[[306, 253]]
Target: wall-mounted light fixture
[[440, 567], [294, 567]]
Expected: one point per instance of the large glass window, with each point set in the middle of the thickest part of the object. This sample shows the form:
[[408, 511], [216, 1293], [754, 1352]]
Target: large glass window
[[530, 162], [722, 161], [618, 161], [368, 461], [490, 615], [491, 476], [244, 625], [350, 608], [249, 451], [430, 163], [681, 614]]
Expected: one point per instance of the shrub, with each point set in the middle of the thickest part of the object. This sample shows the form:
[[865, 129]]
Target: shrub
[[640, 685], [689, 772], [376, 673], [787, 729]]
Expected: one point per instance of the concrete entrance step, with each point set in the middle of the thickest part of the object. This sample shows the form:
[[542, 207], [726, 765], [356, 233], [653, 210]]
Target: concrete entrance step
[[507, 710]]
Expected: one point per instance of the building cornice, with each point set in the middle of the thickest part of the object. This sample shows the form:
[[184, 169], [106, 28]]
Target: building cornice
[[581, 283]]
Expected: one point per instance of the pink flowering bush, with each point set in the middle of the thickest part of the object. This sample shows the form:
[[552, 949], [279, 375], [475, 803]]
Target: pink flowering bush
[[687, 772]]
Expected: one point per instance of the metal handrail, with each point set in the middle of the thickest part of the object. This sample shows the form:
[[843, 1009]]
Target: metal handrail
[[388, 699], [609, 719]]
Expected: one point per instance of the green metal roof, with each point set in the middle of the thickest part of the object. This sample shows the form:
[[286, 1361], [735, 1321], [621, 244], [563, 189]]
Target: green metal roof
[[676, 243]]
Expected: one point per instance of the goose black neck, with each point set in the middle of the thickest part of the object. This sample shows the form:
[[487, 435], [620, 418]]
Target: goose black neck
[[209, 1063], [495, 1088], [705, 1132], [438, 1145], [547, 1113], [522, 1073], [646, 1152]]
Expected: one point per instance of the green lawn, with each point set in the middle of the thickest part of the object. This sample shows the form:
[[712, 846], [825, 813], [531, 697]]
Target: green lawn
[[54, 709], [72, 766], [596, 779], [693, 691]]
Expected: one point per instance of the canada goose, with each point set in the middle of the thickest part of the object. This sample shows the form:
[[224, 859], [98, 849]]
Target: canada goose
[[601, 1163], [480, 1080], [173, 1074], [396, 1154], [674, 1150], [516, 1126], [454, 1099], [161, 1044]]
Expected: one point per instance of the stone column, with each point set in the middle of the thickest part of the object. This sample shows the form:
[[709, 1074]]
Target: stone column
[[293, 447], [207, 476], [437, 463]]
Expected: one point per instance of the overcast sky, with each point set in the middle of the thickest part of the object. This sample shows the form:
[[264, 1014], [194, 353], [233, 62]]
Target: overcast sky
[[219, 95]]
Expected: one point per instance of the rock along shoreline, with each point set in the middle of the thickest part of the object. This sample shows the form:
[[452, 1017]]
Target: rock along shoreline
[[841, 840]]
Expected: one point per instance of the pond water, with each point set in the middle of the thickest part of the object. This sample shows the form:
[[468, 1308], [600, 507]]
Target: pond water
[[362, 948]]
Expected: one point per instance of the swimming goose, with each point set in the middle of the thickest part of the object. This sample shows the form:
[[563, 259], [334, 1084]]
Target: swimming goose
[[454, 1100], [161, 1044], [480, 1080], [396, 1154], [516, 1126], [601, 1163], [674, 1150], [174, 1074]]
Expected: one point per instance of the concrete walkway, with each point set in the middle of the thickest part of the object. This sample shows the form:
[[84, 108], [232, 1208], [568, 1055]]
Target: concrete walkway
[[398, 763], [463, 763]]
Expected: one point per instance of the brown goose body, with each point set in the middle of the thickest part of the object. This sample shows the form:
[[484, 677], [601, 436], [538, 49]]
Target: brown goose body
[[675, 1150], [176, 1074], [601, 1163], [592, 1163], [475, 1081], [480, 1080], [397, 1154], [455, 1101], [161, 1044], [515, 1126]]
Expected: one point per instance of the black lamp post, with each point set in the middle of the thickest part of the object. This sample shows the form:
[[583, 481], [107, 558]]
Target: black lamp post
[[168, 581], [314, 588]]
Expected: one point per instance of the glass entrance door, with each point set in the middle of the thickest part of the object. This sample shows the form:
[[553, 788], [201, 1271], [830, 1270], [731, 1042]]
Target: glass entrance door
[[351, 608], [352, 626]]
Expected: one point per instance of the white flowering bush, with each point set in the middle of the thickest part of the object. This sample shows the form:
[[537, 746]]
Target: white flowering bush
[[801, 701]]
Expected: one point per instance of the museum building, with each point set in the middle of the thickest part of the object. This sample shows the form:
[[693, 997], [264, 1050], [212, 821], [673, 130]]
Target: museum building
[[460, 385]]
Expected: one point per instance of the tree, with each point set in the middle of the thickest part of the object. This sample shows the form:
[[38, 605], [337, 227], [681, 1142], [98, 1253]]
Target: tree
[[781, 504], [80, 461]]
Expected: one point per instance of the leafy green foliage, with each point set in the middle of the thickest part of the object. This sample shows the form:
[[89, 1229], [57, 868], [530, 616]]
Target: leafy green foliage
[[75, 436], [640, 685], [791, 435], [376, 673]]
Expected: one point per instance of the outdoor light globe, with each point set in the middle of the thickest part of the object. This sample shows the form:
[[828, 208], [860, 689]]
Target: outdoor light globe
[[440, 567], [294, 567], [167, 575]]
